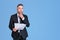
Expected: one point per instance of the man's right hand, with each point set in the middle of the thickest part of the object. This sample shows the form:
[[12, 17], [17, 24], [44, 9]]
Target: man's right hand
[[14, 29]]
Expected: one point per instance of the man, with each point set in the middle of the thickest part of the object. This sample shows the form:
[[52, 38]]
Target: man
[[16, 18]]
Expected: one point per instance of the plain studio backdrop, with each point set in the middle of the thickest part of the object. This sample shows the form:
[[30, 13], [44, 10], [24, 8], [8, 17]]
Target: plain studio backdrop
[[43, 15]]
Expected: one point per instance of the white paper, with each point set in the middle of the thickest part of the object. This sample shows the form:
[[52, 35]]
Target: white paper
[[19, 26]]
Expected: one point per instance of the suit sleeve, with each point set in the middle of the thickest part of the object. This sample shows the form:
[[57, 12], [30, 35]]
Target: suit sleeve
[[26, 21], [11, 23]]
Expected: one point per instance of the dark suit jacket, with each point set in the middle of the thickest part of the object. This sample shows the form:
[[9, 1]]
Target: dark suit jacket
[[23, 32]]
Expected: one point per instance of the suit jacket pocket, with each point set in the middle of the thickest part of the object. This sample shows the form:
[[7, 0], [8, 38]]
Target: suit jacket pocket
[[14, 34]]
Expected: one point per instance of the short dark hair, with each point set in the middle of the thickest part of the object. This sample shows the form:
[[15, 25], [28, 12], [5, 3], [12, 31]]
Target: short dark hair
[[20, 5]]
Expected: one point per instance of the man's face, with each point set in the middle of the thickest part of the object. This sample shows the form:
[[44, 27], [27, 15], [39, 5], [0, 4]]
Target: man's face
[[20, 9]]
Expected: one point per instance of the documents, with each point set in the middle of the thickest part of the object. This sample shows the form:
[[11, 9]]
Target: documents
[[19, 26]]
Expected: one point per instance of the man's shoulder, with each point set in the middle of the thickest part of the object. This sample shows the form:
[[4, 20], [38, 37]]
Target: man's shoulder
[[14, 15], [25, 15]]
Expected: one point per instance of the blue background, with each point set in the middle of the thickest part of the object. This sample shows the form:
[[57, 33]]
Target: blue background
[[44, 18]]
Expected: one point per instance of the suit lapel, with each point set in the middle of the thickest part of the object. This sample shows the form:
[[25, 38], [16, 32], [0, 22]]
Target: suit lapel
[[15, 18]]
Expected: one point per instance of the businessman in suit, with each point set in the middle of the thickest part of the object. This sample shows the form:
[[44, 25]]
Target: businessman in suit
[[19, 34]]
